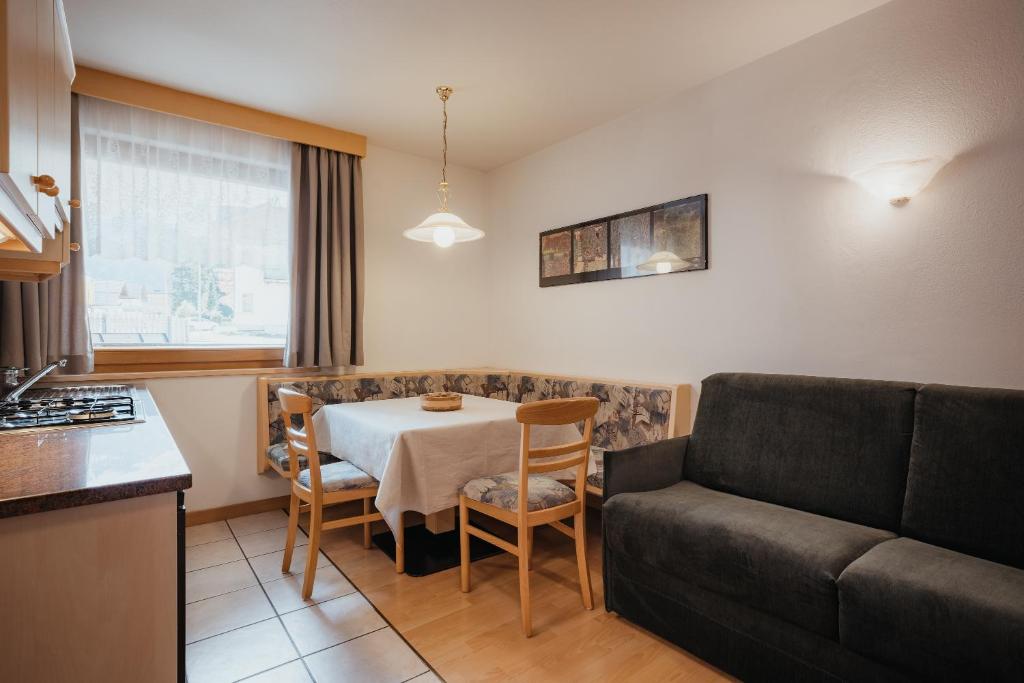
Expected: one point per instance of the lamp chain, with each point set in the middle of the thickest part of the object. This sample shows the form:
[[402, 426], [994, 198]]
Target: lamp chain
[[444, 92]]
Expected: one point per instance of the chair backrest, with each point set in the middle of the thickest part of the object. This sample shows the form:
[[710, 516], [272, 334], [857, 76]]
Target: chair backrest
[[300, 441], [556, 411]]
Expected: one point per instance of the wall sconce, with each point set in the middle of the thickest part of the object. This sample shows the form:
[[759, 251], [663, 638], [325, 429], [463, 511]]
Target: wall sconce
[[898, 181]]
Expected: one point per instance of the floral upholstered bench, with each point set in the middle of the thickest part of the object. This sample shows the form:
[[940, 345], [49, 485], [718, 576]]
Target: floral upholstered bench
[[630, 413]]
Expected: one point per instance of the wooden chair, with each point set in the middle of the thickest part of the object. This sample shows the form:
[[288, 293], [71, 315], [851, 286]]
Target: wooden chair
[[545, 501], [318, 486]]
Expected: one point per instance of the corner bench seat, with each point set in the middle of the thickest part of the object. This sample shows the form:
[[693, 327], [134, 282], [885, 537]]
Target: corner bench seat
[[931, 611], [779, 560], [630, 413]]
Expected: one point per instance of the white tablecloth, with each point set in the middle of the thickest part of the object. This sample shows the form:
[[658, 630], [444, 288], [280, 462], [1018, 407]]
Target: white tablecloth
[[422, 459]]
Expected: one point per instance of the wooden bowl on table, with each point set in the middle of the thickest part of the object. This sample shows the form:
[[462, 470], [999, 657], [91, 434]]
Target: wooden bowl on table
[[441, 401]]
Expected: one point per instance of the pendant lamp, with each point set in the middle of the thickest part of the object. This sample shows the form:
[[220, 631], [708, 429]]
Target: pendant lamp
[[444, 228]]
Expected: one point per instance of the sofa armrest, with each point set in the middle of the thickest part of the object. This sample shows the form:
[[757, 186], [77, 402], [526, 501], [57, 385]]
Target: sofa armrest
[[644, 468]]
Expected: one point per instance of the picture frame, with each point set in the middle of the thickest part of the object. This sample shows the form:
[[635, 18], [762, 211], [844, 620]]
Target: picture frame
[[662, 239]]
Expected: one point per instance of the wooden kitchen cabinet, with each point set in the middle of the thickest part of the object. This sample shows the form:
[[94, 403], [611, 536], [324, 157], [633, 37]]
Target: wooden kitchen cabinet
[[36, 70], [101, 583], [24, 266]]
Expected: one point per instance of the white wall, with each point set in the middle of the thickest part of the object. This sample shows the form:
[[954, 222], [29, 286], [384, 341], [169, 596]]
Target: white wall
[[213, 421], [425, 308], [809, 273]]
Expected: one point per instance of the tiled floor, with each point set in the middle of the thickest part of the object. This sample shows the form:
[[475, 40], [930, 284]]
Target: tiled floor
[[246, 620]]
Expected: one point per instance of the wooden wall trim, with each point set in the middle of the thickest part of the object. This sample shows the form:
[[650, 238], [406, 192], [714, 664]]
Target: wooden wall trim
[[108, 86], [196, 517], [680, 423]]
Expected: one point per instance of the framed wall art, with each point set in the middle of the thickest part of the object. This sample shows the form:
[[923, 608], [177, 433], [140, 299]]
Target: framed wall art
[[666, 238]]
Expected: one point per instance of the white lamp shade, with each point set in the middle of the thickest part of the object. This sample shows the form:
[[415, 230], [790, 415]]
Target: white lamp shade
[[663, 262], [443, 229], [898, 181]]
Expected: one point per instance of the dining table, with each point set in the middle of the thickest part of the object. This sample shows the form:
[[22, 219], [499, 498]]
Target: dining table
[[422, 458]]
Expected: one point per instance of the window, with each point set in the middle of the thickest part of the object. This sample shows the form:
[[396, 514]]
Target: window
[[186, 230]]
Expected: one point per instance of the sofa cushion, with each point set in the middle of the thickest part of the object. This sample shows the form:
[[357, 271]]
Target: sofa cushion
[[835, 447], [934, 612], [775, 559], [965, 487]]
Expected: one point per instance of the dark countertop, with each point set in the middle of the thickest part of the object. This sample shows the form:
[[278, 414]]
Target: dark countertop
[[61, 468]]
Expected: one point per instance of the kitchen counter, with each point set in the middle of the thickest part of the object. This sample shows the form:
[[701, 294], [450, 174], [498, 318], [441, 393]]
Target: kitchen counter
[[61, 468]]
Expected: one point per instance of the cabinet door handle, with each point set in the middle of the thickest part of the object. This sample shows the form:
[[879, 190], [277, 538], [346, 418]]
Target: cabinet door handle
[[43, 182], [51, 191], [74, 246], [75, 203]]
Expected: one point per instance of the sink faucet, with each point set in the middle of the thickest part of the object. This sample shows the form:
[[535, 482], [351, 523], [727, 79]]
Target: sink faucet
[[15, 393]]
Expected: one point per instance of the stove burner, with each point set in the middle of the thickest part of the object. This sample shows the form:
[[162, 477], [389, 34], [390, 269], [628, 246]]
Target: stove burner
[[81, 405]]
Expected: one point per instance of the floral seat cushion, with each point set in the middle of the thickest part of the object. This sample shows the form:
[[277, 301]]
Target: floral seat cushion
[[596, 477], [502, 490], [339, 476], [278, 454]]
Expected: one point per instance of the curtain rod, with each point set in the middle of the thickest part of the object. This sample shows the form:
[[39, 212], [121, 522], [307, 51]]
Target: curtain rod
[[109, 86]]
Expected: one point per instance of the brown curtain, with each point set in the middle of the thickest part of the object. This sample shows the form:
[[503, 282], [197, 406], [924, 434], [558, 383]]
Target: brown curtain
[[326, 322], [46, 321]]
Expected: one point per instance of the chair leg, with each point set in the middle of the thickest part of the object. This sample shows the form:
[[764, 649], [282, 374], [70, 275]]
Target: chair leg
[[524, 580], [579, 527], [463, 545], [316, 513], [400, 545], [293, 527], [366, 525], [529, 548]]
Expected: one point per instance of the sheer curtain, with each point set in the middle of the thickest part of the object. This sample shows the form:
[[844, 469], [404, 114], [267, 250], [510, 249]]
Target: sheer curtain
[[186, 229]]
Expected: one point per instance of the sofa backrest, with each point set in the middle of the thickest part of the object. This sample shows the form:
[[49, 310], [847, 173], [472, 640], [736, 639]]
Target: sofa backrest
[[965, 486], [630, 414], [835, 447]]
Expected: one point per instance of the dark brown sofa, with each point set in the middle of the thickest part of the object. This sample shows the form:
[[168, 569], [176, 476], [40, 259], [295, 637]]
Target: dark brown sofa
[[828, 529]]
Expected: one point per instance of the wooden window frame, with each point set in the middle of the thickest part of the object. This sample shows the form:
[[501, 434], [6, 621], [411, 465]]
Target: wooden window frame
[[191, 359], [132, 359]]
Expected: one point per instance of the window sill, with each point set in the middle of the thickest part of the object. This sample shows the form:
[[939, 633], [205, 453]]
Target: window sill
[[134, 360], [127, 376]]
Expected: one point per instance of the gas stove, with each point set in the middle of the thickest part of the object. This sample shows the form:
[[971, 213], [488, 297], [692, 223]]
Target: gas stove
[[59, 407]]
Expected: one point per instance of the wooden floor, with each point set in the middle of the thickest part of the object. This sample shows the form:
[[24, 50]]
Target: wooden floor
[[476, 636]]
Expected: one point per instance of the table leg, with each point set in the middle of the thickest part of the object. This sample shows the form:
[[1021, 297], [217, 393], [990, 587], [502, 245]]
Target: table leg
[[440, 522]]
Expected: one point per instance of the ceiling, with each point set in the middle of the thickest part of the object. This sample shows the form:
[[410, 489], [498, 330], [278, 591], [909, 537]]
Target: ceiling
[[526, 73]]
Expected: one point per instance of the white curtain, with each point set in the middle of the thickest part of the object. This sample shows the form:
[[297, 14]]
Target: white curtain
[[166, 187], [165, 193]]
